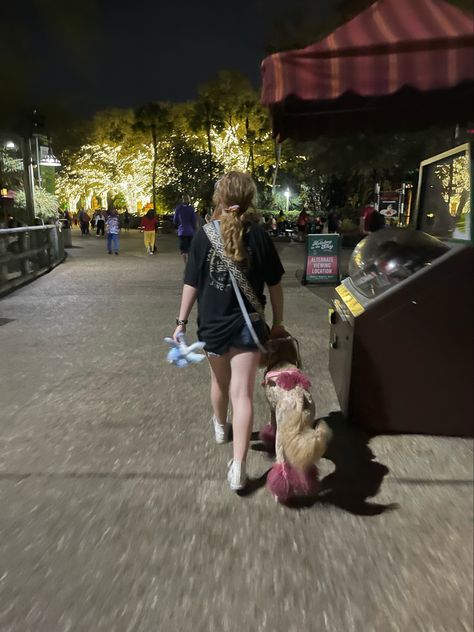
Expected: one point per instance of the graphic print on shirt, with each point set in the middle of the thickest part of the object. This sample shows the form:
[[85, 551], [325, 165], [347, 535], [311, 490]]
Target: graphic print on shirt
[[218, 274]]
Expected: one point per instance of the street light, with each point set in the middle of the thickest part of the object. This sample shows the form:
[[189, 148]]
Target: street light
[[10, 144], [50, 159], [287, 195]]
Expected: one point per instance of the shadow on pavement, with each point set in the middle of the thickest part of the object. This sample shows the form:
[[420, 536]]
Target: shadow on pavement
[[357, 476]]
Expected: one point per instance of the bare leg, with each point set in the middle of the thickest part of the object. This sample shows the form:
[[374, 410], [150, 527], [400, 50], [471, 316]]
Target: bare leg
[[185, 257], [244, 366], [220, 382]]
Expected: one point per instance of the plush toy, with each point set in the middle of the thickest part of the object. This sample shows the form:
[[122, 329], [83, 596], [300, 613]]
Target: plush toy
[[181, 355]]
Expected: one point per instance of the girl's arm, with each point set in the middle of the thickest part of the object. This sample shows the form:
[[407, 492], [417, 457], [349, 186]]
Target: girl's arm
[[276, 299], [188, 298]]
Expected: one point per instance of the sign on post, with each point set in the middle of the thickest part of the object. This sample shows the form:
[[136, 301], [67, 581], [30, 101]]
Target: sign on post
[[322, 258], [389, 203]]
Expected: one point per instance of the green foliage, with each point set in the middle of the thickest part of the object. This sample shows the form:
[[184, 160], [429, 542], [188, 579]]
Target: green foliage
[[119, 202], [11, 169], [46, 204], [348, 225]]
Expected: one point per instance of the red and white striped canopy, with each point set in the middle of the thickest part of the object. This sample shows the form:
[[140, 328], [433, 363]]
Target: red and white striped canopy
[[423, 46]]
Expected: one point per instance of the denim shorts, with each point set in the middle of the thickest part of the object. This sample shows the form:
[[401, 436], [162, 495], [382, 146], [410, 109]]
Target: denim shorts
[[242, 339]]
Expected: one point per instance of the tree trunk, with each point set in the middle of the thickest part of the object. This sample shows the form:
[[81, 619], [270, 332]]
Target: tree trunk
[[155, 162], [250, 145], [209, 156], [209, 146], [277, 164]]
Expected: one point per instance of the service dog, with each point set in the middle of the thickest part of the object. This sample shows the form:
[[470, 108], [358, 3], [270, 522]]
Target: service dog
[[297, 445]]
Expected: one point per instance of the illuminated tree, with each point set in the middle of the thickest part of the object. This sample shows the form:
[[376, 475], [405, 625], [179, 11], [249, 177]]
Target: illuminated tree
[[46, 204], [154, 120]]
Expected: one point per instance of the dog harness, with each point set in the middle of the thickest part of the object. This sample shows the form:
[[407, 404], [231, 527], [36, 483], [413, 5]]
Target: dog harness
[[288, 379]]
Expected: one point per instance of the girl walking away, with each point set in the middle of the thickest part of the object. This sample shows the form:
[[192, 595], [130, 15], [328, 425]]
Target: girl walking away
[[149, 225], [231, 349]]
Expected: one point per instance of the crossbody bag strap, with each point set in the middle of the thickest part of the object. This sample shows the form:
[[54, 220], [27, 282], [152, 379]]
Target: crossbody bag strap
[[213, 233], [216, 242]]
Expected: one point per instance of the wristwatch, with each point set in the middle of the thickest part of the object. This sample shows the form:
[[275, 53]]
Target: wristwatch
[[181, 322]]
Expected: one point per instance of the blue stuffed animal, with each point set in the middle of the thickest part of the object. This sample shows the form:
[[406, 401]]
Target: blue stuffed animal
[[181, 355]]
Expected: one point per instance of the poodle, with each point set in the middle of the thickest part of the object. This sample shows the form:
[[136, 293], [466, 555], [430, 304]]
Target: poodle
[[297, 445]]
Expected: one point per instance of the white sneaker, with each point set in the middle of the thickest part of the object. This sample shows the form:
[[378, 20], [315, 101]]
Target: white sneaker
[[236, 475], [221, 431]]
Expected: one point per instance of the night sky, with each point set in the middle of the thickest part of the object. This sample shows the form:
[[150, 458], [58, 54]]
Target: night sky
[[85, 55]]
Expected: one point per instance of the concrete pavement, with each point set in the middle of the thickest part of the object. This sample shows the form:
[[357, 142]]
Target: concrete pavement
[[115, 515]]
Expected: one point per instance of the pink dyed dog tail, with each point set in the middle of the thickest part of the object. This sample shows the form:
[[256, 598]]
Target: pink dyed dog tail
[[267, 435]]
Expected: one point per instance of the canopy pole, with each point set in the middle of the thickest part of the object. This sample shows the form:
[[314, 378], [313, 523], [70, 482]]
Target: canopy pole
[[277, 162]]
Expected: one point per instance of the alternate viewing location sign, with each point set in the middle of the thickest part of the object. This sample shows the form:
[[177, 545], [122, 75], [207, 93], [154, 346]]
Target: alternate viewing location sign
[[322, 258]]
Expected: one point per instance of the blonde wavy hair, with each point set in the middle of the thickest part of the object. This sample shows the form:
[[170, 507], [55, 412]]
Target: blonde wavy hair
[[234, 194]]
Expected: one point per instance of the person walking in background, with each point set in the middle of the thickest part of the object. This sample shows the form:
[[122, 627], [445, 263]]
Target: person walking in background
[[185, 220], [232, 352], [366, 218], [148, 226], [281, 223], [370, 219], [302, 224], [84, 220], [126, 221], [334, 221], [112, 225], [100, 223], [200, 221]]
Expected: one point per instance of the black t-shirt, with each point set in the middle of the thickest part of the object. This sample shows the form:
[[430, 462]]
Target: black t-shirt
[[219, 315]]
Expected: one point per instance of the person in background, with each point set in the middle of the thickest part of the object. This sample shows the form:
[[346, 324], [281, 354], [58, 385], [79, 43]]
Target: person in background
[[84, 220], [112, 225], [185, 220], [100, 223], [334, 221], [126, 220], [148, 226], [370, 219], [302, 224], [200, 221], [366, 218], [281, 223], [232, 353]]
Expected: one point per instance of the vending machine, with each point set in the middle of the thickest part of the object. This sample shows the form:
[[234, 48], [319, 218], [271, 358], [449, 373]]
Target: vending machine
[[401, 339]]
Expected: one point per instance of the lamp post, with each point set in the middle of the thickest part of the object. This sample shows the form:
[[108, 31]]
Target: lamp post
[[287, 195]]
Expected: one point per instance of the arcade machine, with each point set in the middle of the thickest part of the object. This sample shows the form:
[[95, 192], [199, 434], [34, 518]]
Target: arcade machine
[[401, 343]]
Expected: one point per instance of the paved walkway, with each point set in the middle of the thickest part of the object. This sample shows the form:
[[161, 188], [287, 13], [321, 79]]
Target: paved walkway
[[114, 511]]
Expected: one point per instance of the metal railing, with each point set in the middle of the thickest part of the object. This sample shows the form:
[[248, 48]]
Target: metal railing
[[28, 252]]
